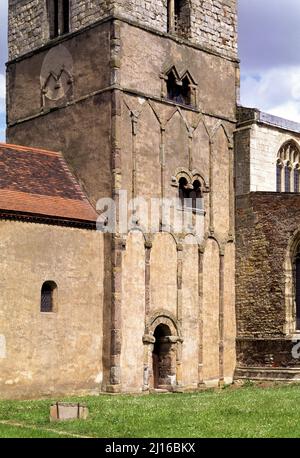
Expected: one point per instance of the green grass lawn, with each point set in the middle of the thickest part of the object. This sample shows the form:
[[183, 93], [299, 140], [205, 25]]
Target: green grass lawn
[[244, 412]]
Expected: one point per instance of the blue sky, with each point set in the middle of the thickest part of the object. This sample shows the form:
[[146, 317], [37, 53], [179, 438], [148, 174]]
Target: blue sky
[[269, 49]]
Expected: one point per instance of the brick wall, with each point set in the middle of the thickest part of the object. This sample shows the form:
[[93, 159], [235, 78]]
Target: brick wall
[[213, 22]]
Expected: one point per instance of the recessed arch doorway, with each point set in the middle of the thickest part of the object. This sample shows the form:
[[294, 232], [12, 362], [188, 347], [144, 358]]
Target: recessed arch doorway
[[163, 358]]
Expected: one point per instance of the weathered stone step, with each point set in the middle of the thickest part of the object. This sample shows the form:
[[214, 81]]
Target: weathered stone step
[[267, 373]]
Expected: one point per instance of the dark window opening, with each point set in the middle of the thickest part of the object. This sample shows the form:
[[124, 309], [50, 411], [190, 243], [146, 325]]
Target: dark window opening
[[59, 16], [178, 4], [55, 32], [296, 180], [179, 17], [179, 91], [278, 177], [47, 296], [287, 184], [186, 91], [297, 287], [66, 16], [184, 190], [190, 195], [195, 196]]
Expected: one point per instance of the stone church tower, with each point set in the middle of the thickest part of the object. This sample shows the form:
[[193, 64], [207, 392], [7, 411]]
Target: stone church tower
[[140, 96]]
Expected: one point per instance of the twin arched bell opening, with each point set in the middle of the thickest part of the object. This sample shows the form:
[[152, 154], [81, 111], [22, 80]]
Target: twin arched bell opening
[[190, 194]]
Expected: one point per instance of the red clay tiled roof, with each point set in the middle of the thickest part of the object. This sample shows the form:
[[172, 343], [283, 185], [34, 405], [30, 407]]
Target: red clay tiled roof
[[39, 182]]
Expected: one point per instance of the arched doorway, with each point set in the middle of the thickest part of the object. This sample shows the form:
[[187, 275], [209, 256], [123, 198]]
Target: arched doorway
[[162, 352], [163, 358]]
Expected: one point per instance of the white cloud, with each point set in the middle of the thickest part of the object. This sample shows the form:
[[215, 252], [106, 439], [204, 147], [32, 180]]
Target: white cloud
[[287, 110], [2, 93], [270, 67], [2, 127], [276, 91], [2, 86]]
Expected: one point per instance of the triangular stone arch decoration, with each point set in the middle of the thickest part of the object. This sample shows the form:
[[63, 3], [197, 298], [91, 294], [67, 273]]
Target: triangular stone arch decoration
[[51, 101], [180, 77], [137, 113], [57, 78], [131, 107], [171, 69], [199, 121], [187, 74], [155, 111], [215, 129], [178, 110]]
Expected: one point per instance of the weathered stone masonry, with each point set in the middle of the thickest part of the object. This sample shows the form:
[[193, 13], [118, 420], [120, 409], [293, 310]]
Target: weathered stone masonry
[[265, 226], [118, 130], [213, 23]]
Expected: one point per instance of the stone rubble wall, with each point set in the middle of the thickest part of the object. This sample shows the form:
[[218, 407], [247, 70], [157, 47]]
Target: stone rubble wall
[[264, 229], [214, 25], [213, 22]]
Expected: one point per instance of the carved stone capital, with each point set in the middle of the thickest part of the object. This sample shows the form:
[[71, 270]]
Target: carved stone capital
[[174, 339], [148, 339]]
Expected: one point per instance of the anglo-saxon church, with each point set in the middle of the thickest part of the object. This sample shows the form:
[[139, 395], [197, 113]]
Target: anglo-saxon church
[[114, 97]]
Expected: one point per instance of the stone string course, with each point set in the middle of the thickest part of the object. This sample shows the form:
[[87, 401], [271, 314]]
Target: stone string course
[[213, 22]]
